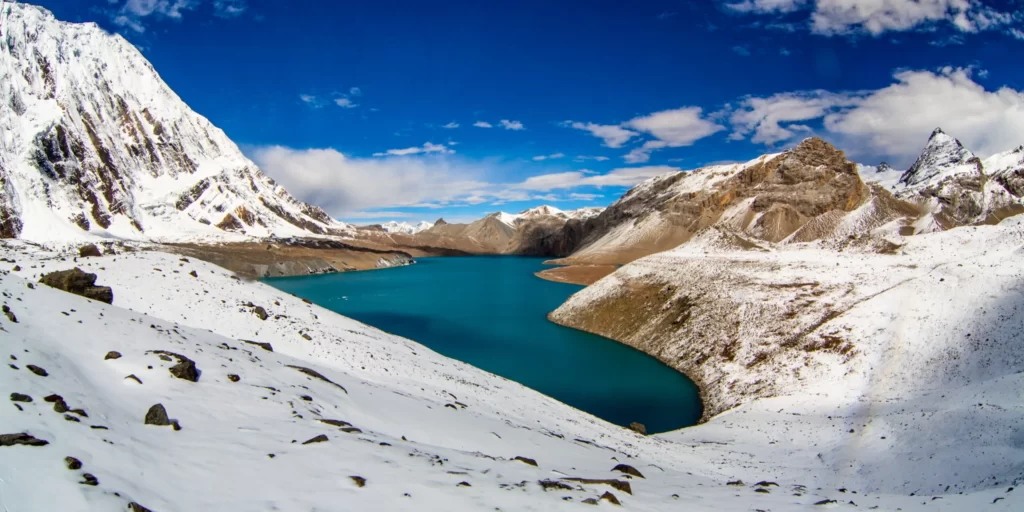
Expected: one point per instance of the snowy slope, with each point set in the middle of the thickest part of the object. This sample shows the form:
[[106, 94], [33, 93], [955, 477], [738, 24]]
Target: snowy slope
[[943, 156], [405, 227], [95, 144]]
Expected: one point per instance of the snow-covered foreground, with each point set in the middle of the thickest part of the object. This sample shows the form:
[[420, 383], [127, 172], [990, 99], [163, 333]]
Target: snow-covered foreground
[[426, 423]]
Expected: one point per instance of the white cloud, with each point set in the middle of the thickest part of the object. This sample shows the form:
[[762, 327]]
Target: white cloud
[[575, 196], [553, 156], [345, 103], [771, 119], [425, 148], [1016, 33], [672, 129], [894, 121], [622, 177], [355, 91], [450, 126], [229, 8], [766, 6], [584, 158], [130, 14], [512, 125], [483, 124], [311, 100], [614, 136]]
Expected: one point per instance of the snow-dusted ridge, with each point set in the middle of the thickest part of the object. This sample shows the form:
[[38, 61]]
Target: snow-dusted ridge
[[95, 144]]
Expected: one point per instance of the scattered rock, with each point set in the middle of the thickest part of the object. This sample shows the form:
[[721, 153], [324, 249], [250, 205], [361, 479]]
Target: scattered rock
[[59, 405], [335, 423], [72, 463], [193, 274], [763, 483], [80, 412], [89, 479], [314, 373], [113, 354], [10, 314], [157, 415], [306, 336], [762, 490], [610, 498], [133, 377], [360, 481], [79, 282], [590, 501], [68, 417], [86, 251], [185, 369], [18, 397], [627, 469], [135, 507], [526, 460], [351, 430], [260, 312], [37, 370], [737, 483], [639, 428], [306, 398], [21, 438], [463, 484], [175, 425], [318, 439], [265, 346], [619, 485], [233, 378], [826, 502], [554, 484]]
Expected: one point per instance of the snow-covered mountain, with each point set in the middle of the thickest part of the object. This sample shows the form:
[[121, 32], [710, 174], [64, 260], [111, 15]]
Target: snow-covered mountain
[[96, 144], [405, 227]]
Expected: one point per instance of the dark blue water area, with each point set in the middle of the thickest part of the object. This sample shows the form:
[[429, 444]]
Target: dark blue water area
[[491, 312]]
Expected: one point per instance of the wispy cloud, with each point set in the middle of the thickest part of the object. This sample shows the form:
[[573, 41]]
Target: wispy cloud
[[671, 129], [483, 124], [425, 148], [451, 126], [355, 91], [622, 177], [614, 136], [741, 50], [512, 125], [311, 100], [229, 8], [345, 103], [664, 15], [553, 156], [584, 158]]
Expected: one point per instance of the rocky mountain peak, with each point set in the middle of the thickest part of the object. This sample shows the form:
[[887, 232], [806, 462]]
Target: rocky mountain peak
[[440, 222], [943, 155]]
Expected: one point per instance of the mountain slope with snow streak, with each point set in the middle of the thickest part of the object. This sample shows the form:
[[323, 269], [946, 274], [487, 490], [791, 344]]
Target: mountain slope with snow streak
[[425, 423], [96, 144]]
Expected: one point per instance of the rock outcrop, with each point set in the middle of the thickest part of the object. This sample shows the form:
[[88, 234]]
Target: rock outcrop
[[79, 282]]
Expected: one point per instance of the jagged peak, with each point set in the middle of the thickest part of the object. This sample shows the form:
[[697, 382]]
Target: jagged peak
[[440, 222], [937, 131], [942, 156]]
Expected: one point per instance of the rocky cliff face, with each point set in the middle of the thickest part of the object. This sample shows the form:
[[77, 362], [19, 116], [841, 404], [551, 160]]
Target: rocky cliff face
[[98, 143]]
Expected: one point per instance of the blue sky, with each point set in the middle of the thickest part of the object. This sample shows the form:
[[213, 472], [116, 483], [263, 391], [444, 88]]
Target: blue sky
[[417, 110]]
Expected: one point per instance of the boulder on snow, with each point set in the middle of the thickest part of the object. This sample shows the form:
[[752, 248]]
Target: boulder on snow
[[627, 469], [78, 282], [86, 251], [318, 439], [157, 415], [185, 369], [233, 378], [135, 507], [360, 481], [10, 314], [525, 460], [265, 346], [37, 370], [260, 312], [113, 354], [638, 428], [21, 438], [18, 397], [72, 463], [89, 479]]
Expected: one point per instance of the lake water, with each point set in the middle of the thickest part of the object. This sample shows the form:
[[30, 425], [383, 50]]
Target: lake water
[[491, 312]]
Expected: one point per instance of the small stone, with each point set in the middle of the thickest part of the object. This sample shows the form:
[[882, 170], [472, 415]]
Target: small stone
[[260, 312], [306, 336], [735, 483], [18, 397], [86, 251], [89, 479], [638, 428], [526, 460], [10, 314], [80, 412], [265, 346], [318, 439], [175, 425], [69, 417], [133, 377], [590, 501], [360, 481], [72, 463], [157, 415], [113, 354], [335, 423], [135, 507], [233, 378], [21, 438], [610, 498], [627, 469], [193, 274], [37, 370], [306, 398], [351, 430], [463, 484]]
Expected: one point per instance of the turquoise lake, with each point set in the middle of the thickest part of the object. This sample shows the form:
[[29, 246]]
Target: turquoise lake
[[491, 312]]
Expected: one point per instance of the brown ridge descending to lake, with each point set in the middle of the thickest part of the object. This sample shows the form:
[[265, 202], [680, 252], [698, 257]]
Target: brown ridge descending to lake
[[577, 274]]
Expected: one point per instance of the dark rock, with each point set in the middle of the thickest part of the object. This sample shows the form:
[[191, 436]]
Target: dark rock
[[98, 427], [86, 251], [69, 417], [185, 369], [360, 481], [590, 501], [10, 314], [113, 354], [316, 374], [826, 502], [157, 415], [335, 423], [318, 439], [135, 507], [72, 463], [80, 412], [554, 484], [165, 358], [762, 490], [175, 425], [306, 336], [610, 498], [627, 469], [37, 370], [306, 398], [18, 397], [525, 460], [452, 406], [233, 378], [736, 483], [638, 428], [21, 438], [463, 484], [59, 405], [89, 479], [619, 485], [260, 312], [133, 377], [265, 346], [764, 483], [193, 274], [79, 282], [351, 430]]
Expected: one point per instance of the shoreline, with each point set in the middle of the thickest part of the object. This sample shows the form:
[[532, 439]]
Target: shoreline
[[584, 275]]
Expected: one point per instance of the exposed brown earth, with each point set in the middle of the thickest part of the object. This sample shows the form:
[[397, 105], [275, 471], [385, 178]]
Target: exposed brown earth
[[577, 274]]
